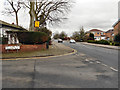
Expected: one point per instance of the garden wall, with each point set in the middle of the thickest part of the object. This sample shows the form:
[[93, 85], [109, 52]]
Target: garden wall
[[23, 48]]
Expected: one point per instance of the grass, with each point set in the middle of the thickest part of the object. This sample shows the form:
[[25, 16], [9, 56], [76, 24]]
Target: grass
[[55, 49]]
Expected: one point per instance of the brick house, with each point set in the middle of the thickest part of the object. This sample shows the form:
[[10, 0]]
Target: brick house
[[116, 27], [109, 34], [98, 34]]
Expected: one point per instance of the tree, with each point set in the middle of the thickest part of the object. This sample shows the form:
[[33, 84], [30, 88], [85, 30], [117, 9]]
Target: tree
[[47, 11], [62, 35], [56, 36], [81, 34], [15, 8], [91, 36], [45, 30], [75, 36], [117, 38]]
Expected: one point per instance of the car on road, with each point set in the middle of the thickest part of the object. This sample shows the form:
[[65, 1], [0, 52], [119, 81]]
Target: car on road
[[72, 41], [60, 41]]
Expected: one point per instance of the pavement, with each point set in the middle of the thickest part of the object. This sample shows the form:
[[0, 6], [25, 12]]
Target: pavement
[[101, 45]]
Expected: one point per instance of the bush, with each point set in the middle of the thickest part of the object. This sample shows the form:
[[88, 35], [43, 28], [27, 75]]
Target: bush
[[99, 42], [116, 44], [117, 38], [3, 40], [26, 37], [103, 42], [91, 41]]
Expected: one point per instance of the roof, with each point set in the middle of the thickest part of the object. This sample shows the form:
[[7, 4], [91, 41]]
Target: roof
[[11, 26], [95, 30], [110, 31], [116, 22]]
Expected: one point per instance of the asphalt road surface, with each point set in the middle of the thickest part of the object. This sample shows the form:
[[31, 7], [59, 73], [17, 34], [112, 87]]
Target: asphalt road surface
[[104, 55], [80, 70]]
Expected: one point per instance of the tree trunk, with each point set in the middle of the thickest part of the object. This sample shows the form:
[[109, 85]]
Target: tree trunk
[[16, 18], [32, 16]]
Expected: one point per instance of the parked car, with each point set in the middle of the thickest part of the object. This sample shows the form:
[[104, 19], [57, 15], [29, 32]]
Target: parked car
[[72, 41], [60, 41]]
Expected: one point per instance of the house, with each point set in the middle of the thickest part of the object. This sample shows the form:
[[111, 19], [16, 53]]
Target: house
[[109, 34], [116, 27], [98, 34], [12, 38]]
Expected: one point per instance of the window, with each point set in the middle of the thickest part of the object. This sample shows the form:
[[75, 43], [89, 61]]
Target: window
[[98, 33], [101, 33]]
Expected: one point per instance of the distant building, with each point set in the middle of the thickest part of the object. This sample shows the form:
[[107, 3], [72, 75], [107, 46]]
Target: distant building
[[12, 38], [109, 34], [116, 27], [98, 34]]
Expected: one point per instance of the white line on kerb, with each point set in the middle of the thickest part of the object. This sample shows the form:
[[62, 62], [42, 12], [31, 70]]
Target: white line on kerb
[[113, 69]]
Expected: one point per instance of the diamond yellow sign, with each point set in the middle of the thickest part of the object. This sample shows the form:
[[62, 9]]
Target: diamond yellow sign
[[37, 23]]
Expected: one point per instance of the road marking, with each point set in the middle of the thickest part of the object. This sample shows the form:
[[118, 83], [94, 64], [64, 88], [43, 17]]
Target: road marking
[[104, 65], [91, 62], [98, 62], [113, 69], [86, 60]]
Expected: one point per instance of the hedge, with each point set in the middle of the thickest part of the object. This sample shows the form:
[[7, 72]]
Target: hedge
[[3, 40], [27, 37], [99, 42]]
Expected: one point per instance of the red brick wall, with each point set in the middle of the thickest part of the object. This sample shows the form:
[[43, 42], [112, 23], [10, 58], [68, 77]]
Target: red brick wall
[[117, 29], [24, 48]]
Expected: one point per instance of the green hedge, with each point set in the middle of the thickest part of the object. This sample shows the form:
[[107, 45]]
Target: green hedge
[[103, 42], [99, 42], [27, 37], [3, 40]]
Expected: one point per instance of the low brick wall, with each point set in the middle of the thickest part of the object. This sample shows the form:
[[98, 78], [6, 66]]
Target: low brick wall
[[23, 48]]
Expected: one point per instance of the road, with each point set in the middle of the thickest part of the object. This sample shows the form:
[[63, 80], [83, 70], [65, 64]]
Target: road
[[80, 70], [104, 55]]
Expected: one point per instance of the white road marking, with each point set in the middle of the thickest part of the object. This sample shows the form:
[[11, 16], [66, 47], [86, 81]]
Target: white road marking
[[91, 62], [113, 69], [86, 60], [98, 62], [104, 65]]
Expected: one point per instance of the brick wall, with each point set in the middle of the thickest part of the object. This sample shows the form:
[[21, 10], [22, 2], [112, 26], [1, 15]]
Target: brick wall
[[117, 29], [23, 48]]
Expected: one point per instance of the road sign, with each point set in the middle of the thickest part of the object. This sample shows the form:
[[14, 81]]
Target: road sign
[[37, 23]]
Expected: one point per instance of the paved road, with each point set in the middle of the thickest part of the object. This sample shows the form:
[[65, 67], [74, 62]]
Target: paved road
[[104, 55], [72, 71]]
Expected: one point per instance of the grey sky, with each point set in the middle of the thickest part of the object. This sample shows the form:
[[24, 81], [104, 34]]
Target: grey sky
[[91, 14]]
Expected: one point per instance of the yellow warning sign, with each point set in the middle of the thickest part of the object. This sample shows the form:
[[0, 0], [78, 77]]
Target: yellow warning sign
[[37, 23]]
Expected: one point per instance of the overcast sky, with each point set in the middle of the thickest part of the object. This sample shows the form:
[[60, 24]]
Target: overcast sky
[[91, 14]]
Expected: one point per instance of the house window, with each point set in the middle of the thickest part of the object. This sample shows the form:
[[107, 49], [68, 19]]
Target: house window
[[101, 33], [97, 32]]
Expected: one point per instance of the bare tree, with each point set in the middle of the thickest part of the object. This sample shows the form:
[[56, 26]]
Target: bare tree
[[48, 11], [15, 7]]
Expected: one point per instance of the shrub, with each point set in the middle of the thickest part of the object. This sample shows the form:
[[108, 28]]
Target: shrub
[[103, 42], [91, 41], [26, 37], [3, 40], [116, 44], [91, 36], [117, 38]]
